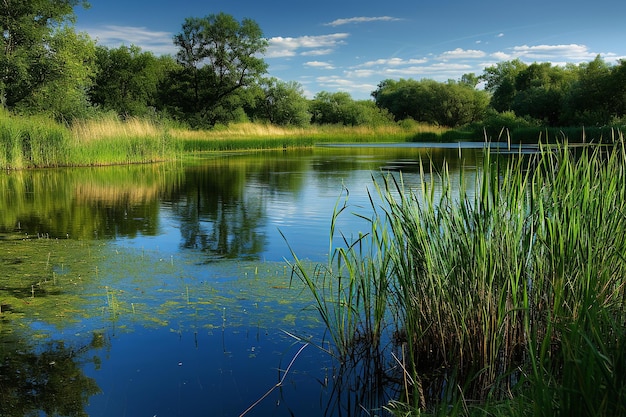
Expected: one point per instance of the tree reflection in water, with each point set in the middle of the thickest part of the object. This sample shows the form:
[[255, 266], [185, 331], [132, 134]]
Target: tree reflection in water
[[47, 378]]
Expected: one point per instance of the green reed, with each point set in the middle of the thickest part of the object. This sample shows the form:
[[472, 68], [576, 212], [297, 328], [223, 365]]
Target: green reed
[[37, 141], [507, 288], [34, 141]]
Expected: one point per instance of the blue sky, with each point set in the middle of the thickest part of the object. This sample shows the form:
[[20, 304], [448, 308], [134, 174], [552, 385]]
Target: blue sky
[[351, 46]]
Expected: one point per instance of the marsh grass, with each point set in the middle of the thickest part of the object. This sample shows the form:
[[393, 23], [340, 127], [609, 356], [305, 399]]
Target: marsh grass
[[37, 141], [255, 136], [33, 141], [507, 293], [109, 141]]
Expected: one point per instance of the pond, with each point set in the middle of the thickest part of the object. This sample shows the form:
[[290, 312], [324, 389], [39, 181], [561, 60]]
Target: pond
[[164, 290]]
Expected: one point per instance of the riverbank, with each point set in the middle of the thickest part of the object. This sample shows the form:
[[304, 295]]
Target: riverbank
[[39, 141]]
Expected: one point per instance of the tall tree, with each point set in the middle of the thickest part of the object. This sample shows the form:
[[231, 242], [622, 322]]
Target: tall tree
[[35, 43], [219, 58], [449, 104], [500, 81], [282, 103], [128, 79], [591, 99]]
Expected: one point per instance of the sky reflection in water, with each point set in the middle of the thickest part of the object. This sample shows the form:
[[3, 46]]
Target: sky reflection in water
[[192, 297]]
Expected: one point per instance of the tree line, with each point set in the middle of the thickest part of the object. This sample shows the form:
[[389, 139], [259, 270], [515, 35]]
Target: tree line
[[218, 76]]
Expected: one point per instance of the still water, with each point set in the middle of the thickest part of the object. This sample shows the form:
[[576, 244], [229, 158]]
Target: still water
[[164, 290]]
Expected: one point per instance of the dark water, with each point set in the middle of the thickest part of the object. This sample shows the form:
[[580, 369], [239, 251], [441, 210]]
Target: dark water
[[187, 307]]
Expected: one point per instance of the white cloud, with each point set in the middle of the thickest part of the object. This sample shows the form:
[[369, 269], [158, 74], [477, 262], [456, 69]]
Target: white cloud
[[362, 19], [112, 36], [571, 51], [337, 83], [318, 52], [460, 53], [501, 56], [393, 62], [319, 64], [439, 71], [313, 45], [555, 54]]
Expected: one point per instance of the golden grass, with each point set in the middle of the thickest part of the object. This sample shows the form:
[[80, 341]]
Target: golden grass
[[86, 131], [248, 130]]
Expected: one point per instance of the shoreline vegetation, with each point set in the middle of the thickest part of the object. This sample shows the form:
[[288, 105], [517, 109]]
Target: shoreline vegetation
[[506, 296], [41, 142]]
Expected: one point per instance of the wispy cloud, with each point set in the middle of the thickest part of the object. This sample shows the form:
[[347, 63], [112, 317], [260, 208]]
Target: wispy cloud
[[157, 42], [362, 19], [340, 83], [460, 53], [304, 45], [393, 62], [550, 53], [320, 65], [573, 51]]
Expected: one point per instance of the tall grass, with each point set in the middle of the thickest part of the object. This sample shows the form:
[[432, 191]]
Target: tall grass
[[37, 141], [33, 141], [112, 141], [509, 289], [245, 136]]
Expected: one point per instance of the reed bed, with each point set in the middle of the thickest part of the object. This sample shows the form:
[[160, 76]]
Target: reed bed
[[112, 141], [505, 295], [37, 141], [255, 136], [33, 141]]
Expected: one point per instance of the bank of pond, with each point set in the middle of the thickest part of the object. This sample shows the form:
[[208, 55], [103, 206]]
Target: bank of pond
[[498, 291], [39, 141]]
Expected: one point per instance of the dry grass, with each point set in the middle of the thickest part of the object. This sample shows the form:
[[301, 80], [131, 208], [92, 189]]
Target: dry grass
[[87, 131]]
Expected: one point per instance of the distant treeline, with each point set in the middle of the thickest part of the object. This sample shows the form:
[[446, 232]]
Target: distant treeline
[[219, 76]]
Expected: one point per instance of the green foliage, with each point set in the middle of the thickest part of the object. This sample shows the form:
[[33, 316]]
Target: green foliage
[[504, 292], [586, 94], [34, 141], [128, 80], [45, 66], [39, 141], [219, 58], [282, 103], [340, 109], [447, 104], [499, 80]]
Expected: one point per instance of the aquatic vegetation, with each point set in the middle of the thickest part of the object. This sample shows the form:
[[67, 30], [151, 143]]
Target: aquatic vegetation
[[508, 293], [63, 282]]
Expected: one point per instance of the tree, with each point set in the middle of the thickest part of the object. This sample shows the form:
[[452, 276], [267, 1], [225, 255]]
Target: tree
[[282, 103], [219, 58], [41, 53], [449, 104], [128, 79], [592, 95], [500, 82], [340, 108], [539, 92]]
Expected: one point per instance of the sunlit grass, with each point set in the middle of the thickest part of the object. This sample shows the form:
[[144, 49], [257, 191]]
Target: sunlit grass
[[256, 136], [37, 141], [90, 130]]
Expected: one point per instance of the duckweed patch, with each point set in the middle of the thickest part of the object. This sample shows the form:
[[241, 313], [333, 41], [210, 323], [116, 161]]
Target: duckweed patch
[[50, 285]]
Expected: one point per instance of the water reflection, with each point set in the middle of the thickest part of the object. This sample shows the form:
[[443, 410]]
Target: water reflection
[[191, 217], [48, 378]]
